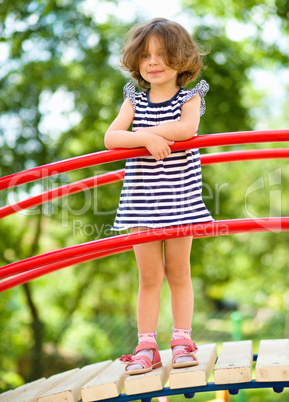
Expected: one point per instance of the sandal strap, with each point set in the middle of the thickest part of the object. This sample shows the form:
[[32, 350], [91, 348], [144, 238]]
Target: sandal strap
[[184, 342], [183, 353], [180, 354], [146, 346], [142, 360]]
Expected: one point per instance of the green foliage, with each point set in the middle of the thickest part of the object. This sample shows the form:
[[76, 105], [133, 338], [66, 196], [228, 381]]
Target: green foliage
[[60, 89], [225, 73]]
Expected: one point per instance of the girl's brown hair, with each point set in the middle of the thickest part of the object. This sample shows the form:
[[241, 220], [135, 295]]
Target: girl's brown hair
[[182, 53]]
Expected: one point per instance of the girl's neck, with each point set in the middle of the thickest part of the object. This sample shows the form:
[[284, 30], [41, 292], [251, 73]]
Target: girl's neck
[[159, 93]]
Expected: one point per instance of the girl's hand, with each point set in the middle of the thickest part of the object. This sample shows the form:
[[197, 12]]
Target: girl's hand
[[157, 146]]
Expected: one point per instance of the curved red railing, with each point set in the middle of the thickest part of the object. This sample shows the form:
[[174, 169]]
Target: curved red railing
[[36, 266], [58, 259], [34, 273], [202, 141], [62, 191], [112, 177]]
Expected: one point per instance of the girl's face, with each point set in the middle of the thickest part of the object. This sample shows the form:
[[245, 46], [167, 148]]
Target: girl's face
[[152, 65]]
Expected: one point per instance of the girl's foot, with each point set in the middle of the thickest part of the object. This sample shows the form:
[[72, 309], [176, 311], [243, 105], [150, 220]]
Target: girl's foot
[[184, 353], [145, 358]]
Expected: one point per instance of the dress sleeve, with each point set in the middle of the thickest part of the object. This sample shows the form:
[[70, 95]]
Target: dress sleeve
[[201, 88], [129, 92]]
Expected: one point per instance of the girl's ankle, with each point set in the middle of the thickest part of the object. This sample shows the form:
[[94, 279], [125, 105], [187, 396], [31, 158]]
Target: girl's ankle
[[181, 333], [147, 337]]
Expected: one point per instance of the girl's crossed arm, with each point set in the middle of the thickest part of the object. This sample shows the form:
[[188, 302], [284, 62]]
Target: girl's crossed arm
[[185, 128], [157, 139], [118, 136]]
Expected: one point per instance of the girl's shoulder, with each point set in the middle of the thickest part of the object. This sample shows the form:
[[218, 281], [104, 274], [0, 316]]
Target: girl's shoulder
[[130, 93], [201, 89]]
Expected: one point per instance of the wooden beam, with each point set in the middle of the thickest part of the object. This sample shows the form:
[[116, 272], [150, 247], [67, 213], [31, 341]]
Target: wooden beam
[[234, 363], [152, 381], [69, 390], [15, 393], [32, 394], [273, 360], [196, 375], [107, 384]]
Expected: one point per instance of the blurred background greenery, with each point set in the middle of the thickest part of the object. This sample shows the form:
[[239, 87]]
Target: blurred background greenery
[[60, 88]]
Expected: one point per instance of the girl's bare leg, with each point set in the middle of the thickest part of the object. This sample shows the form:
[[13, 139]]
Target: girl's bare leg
[[149, 258], [178, 273]]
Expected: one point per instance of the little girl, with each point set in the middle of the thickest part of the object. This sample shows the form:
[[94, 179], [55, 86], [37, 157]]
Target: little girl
[[165, 188]]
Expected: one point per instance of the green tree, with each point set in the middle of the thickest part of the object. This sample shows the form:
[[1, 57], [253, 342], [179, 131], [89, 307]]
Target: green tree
[[56, 91], [258, 32], [60, 89]]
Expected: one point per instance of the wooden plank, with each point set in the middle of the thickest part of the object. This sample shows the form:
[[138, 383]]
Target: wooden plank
[[4, 396], [10, 395], [234, 363], [32, 394], [152, 381], [196, 375], [273, 360], [108, 384], [69, 390]]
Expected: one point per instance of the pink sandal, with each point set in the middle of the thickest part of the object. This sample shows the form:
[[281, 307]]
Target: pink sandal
[[143, 360], [188, 351]]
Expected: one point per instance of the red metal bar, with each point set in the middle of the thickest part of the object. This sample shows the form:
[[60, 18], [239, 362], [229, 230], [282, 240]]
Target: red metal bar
[[215, 228], [39, 265], [62, 191], [203, 141], [25, 277], [238, 156], [106, 178]]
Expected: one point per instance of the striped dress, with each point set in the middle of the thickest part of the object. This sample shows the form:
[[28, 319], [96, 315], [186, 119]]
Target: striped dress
[[167, 192]]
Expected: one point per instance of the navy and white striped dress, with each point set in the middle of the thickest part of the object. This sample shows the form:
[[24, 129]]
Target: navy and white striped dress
[[167, 192]]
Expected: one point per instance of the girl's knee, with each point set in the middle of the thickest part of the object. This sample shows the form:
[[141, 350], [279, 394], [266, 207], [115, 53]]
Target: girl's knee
[[178, 275], [151, 279]]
